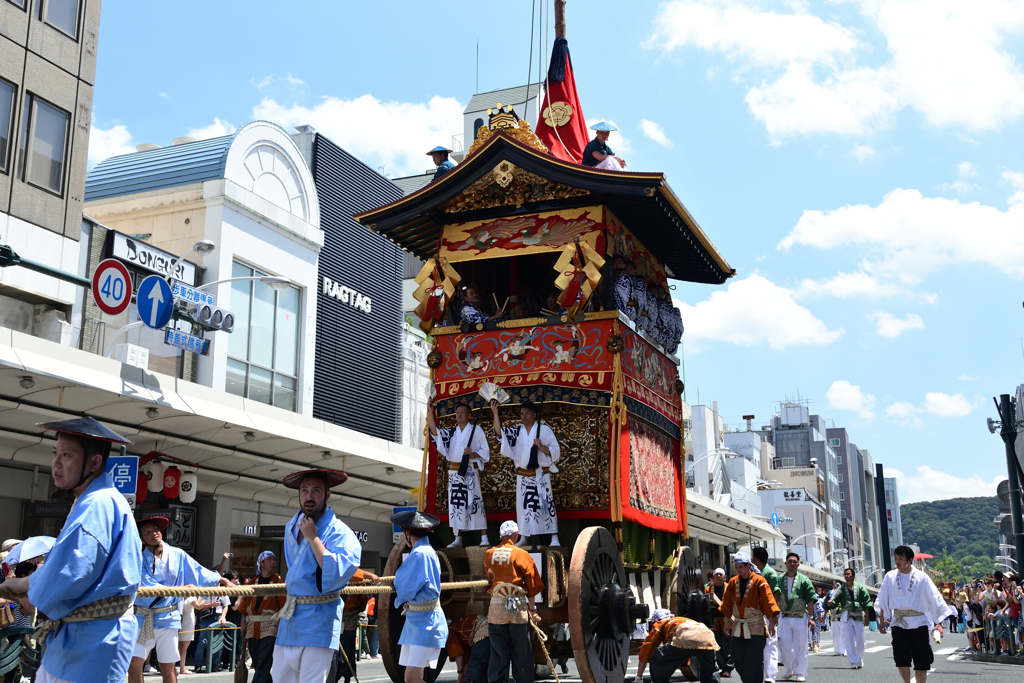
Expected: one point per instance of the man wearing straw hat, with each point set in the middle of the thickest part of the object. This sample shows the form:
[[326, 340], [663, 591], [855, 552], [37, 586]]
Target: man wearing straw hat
[[160, 618], [88, 584], [417, 590], [440, 156], [322, 554], [598, 154]]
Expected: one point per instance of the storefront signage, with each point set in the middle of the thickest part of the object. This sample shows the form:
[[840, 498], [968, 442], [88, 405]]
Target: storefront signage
[[124, 473], [793, 495], [181, 532], [50, 510], [272, 531], [150, 258], [347, 296]]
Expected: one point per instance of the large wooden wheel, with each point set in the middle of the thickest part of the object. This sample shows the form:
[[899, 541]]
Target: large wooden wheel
[[389, 627], [602, 613]]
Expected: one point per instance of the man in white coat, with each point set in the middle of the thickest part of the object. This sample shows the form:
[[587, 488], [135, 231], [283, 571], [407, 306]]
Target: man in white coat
[[534, 449], [465, 447], [910, 604]]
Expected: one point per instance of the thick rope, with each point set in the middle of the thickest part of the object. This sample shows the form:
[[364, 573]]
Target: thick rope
[[351, 669], [451, 572], [542, 638], [280, 589]]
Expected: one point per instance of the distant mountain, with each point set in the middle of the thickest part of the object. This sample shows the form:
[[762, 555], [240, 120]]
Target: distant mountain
[[963, 526]]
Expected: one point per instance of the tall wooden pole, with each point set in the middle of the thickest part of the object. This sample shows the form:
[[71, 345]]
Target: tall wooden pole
[[559, 18]]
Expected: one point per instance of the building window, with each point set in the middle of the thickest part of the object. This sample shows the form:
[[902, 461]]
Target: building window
[[842, 496], [839, 459], [834, 443], [44, 134], [6, 122], [17, 3], [789, 462], [840, 479], [263, 351], [842, 514], [60, 14]]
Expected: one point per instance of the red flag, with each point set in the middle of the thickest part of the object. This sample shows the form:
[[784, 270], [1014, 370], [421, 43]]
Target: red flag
[[561, 125]]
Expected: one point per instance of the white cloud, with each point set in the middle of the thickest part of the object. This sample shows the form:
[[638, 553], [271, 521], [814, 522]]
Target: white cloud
[[215, 130], [263, 82], [396, 134], [845, 396], [935, 403], [864, 152], [909, 236], [294, 81], [753, 311], [847, 285], [945, 60], [929, 484], [946, 405], [967, 378], [966, 169], [891, 327], [112, 142], [655, 132]]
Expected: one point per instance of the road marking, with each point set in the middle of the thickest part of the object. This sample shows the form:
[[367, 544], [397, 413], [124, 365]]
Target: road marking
[[877, 648], [946, 651]]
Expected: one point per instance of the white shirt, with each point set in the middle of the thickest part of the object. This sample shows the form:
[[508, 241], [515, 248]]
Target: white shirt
[[912, 591], [459, 439], [520, 450]]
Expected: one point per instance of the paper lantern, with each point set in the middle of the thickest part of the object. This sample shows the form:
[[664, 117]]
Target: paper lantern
[[188, 485], [141, 488], [172, 475], [155, 474]]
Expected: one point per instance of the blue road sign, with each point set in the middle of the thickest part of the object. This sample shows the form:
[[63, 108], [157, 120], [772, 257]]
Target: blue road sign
[[190, 294], [395, 529], [184, 340], [775, 519], [124, 472], [155, 302]]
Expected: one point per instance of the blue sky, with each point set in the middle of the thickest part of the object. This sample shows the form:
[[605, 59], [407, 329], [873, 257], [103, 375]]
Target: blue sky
[[860, 164]]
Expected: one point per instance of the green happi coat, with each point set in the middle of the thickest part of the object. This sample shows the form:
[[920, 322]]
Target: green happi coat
[[856, 604], [794, 603], [772, 577]]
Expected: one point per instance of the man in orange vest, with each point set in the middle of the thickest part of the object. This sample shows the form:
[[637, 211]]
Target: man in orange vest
[[748, 602], [670, 644]]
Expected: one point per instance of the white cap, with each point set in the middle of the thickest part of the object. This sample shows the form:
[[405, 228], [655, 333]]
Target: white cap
[[741, 558], [718, 571], [264, 555], [508, 528]]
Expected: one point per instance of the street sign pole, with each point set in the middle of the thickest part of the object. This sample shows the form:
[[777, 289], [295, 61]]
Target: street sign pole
[[1008, 432]]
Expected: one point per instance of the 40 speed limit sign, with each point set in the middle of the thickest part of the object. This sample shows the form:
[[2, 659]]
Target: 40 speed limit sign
[[112, 286]]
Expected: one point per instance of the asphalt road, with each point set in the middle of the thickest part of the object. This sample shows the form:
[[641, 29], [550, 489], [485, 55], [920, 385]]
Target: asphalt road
[[950, 666]]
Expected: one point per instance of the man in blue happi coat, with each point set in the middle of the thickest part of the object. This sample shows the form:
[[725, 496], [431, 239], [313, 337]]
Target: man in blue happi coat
[[87, 585], [322, 554], [418, 588], [159, 619]]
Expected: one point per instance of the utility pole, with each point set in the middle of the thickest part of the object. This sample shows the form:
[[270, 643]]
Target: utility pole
[[1008, 432]]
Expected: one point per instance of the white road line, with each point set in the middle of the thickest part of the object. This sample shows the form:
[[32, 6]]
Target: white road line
[[877, 648], [946, 651]]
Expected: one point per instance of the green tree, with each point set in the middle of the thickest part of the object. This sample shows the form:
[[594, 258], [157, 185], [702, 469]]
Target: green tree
[[947, 568]]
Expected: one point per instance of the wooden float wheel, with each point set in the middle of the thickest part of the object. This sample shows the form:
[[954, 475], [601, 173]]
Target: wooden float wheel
[[602, 613], [691, 600], [390, 621]]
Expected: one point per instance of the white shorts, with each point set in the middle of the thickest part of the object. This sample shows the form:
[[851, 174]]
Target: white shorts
[[301, 664], [419, 656], [188, 626], [166, 643]]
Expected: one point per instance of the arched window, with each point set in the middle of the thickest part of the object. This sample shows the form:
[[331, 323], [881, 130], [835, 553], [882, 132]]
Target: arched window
[[477, 125]]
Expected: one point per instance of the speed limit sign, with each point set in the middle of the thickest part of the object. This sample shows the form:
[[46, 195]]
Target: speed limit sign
[[112, 286]]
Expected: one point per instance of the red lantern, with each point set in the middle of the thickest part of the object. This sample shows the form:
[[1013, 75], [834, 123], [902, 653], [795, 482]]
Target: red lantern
[[141, 488], [172, 475]]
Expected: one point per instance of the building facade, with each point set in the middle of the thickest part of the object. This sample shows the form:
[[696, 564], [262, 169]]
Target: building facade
[[47, 73], [892, 513]]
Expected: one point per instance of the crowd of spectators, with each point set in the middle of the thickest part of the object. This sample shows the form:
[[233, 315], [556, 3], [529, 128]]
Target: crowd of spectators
[[990, 609]]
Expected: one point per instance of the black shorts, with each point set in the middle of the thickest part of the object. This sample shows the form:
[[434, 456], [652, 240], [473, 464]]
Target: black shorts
[[912, 645]]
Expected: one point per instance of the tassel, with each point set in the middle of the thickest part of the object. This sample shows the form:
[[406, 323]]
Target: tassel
[[572, 288]]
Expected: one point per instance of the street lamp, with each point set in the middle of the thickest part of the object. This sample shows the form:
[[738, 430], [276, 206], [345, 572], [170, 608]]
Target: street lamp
[[202, 247], [710, 454], [816, 533]]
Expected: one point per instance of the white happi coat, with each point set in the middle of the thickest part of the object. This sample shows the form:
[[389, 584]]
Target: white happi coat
[[465, 500], [913, 591], [535, 502]]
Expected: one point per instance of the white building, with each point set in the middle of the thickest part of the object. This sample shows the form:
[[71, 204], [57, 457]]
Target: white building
[[892, 513], [803, 519]]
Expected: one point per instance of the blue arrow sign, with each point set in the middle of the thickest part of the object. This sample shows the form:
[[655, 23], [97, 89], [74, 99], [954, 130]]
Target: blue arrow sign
[[775, 519], [155, 302]]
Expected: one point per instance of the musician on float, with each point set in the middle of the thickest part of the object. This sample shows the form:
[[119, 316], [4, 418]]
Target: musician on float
[[534, 449], [465, 447]]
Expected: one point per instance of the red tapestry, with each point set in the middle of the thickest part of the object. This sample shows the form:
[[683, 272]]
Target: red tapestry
[[650, 377], [651, 483], [522, 232]]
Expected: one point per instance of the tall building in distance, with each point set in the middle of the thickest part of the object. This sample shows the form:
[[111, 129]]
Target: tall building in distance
[[892, 513], [47, 72]]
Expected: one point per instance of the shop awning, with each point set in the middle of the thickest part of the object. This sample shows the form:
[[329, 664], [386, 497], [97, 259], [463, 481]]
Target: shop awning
[[243, 447], [713, 522]]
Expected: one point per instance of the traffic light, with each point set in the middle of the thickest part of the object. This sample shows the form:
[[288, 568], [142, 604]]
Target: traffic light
[[208, 317]]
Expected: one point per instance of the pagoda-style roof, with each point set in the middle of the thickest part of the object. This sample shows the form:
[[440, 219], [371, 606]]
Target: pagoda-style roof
[[642, 201]]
